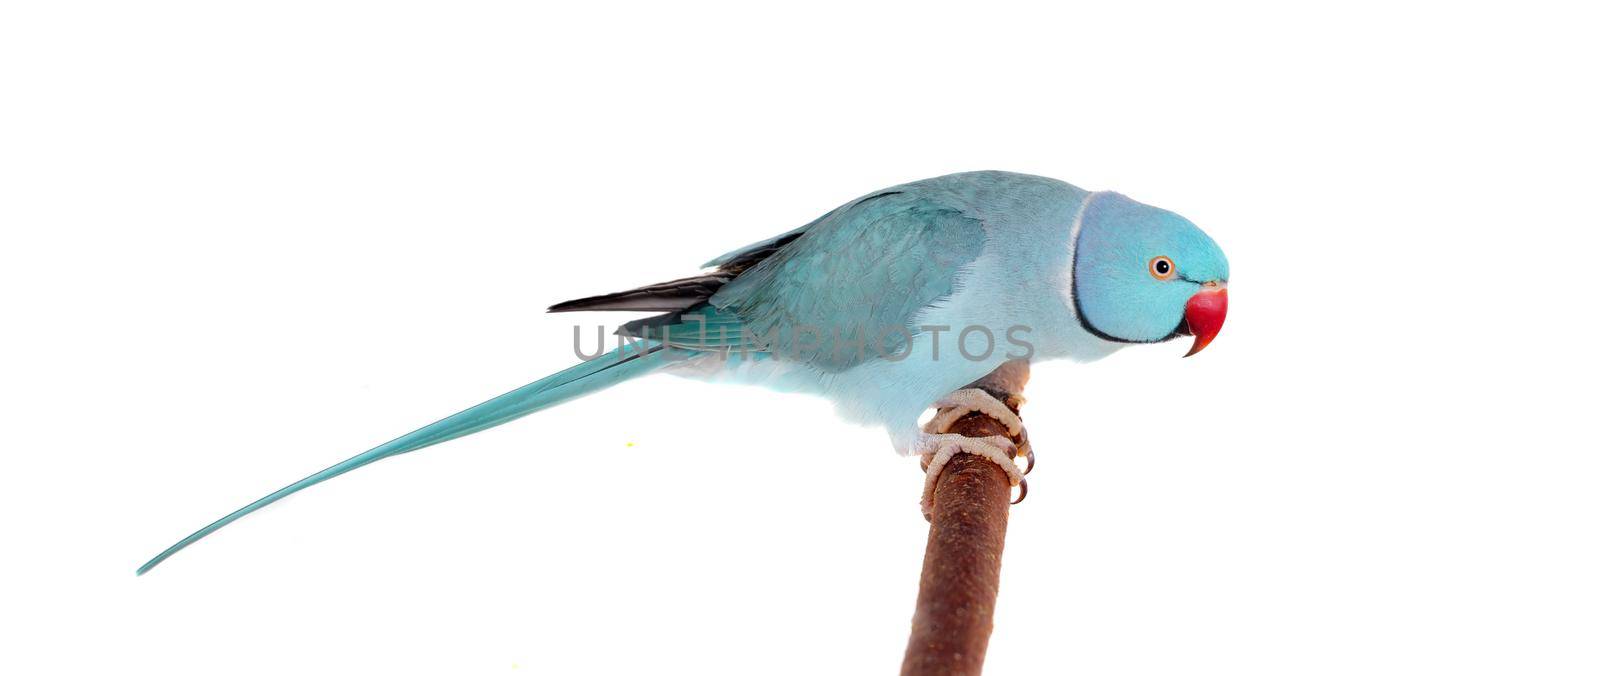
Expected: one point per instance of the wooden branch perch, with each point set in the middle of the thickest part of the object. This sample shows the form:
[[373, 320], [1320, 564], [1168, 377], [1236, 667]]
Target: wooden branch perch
[[966, 536]]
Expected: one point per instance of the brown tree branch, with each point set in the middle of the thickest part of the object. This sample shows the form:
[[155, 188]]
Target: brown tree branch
[[966, 536]]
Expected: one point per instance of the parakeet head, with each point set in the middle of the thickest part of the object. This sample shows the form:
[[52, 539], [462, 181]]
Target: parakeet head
[[1145, 275]]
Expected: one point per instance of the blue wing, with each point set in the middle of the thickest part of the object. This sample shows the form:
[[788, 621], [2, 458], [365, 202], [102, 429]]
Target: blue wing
[[843, 289], [833, 293]]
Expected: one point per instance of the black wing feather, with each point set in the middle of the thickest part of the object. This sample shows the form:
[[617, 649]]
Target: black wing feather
[[678, 294], [670, 296]]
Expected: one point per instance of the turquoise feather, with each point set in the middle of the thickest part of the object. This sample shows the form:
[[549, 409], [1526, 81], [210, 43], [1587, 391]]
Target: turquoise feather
[[590, 376]]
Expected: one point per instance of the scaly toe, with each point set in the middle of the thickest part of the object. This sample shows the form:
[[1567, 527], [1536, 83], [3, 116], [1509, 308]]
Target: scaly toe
[[972, 400], [938, 449]]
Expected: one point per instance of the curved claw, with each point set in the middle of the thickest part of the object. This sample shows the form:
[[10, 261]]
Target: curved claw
[[1024, 494], [1022, 444]]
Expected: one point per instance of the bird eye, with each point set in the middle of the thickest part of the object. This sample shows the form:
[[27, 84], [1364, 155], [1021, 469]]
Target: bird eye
[[1161, 267]]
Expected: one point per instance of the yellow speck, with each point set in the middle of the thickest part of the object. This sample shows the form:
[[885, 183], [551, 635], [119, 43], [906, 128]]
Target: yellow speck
[[630, 444]]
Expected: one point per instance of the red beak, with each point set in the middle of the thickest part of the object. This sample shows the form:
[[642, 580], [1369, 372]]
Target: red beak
[[1203, 316]]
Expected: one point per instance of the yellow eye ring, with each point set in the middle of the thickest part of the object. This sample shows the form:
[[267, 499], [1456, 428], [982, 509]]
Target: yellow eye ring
[[1163, 268]]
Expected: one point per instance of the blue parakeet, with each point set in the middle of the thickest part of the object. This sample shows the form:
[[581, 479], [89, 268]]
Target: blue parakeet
[[889, 304]]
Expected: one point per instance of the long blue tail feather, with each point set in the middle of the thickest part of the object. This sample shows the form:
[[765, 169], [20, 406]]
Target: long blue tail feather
[[591, 376]]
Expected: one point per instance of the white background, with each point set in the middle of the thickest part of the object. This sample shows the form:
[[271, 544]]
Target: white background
[[242, 243]]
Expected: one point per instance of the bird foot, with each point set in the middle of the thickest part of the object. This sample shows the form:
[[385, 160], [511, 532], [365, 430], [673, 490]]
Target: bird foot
[[937, 449], [973, 400]]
